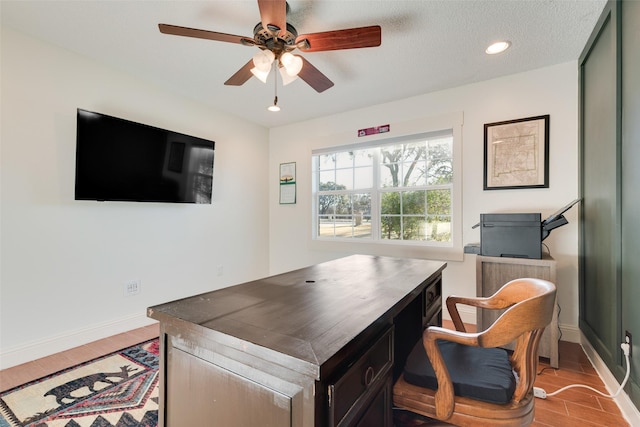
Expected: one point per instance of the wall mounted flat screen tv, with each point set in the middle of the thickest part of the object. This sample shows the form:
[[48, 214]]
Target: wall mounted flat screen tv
[[120, 160]]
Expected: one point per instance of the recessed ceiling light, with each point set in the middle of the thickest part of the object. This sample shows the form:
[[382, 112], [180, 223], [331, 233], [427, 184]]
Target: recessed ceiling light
[[498, 47]]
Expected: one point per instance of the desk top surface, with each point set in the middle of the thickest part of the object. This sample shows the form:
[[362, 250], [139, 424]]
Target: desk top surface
[[310, 313]]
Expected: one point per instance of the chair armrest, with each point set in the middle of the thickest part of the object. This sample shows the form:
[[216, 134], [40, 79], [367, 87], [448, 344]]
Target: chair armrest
[[452, 302], [494, 302], [444, 396]]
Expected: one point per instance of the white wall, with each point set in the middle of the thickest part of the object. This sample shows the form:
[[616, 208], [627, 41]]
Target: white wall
[[551, 90], [65, 262]]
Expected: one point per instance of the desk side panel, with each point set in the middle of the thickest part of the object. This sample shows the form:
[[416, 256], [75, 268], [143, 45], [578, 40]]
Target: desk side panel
[[199, 392]]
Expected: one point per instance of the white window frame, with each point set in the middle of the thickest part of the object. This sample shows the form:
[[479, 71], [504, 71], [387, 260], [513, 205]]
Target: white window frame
[[401, 132]]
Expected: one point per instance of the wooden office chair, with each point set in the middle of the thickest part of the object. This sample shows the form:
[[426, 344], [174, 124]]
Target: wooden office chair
[[464, 378]]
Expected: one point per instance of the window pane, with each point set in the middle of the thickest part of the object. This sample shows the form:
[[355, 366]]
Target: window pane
[[326, 226], [413, 202], [440, 162], [344, 159], [414, 152], [362, 226], [363, 158], [414, 174], [327, 205], [403, 165], [390, 203], [413, 228], [439, 202], [363, 178], [343, 226], [327, 180], [390, 227], [344, 179], [343, 205], [326, 161], [389, 175], [362, 204], [361, 215], [439, 228], [390, 168]]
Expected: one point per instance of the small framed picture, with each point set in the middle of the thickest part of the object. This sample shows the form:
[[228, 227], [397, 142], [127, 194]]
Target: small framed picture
[[287, 183], [516, 154]]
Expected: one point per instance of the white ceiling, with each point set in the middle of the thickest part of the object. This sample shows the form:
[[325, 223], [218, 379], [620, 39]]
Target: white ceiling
[[427, 45]]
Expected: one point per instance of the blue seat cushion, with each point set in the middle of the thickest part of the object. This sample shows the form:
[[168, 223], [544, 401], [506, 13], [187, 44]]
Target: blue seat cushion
[[478, 373]]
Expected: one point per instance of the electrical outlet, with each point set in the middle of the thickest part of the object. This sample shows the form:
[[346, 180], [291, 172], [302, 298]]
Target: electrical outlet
[[627, 339], [132, 287]]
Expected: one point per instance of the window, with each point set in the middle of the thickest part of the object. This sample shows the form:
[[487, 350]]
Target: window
[[395, 191]]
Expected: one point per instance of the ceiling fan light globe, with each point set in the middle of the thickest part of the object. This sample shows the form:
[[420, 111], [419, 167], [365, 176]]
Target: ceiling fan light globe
[[263, 59], [292, 63], [260, 74], [286, 78]]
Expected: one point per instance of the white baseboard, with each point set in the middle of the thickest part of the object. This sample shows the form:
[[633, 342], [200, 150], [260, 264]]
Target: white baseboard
[[46, 347], [570, 333], [628, 409]]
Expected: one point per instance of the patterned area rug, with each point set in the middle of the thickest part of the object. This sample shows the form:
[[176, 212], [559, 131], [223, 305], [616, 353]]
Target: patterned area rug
[[116, 390]]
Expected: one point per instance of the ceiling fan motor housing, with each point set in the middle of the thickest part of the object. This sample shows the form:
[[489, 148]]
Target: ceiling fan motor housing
[[270, 39]]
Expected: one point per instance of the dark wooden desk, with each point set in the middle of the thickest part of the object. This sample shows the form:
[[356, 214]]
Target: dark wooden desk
[[319, 346]]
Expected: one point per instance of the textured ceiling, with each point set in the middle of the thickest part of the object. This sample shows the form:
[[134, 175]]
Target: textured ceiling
[[426, 46]]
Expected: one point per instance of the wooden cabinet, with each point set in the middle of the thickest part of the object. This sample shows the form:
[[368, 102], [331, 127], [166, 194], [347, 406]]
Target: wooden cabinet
[[493, 272], [320, 346]]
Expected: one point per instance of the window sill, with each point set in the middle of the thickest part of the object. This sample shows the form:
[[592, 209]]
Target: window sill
[[389, 249]]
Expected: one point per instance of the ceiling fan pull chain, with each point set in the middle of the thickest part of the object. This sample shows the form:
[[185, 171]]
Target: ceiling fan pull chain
[[275, 107]]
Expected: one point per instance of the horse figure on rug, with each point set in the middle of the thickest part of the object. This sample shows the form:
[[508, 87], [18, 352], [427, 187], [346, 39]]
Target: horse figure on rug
[[64, 391]]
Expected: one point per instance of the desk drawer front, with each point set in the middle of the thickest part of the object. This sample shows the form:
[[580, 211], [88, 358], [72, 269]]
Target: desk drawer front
[[433, 304], [358, 385]]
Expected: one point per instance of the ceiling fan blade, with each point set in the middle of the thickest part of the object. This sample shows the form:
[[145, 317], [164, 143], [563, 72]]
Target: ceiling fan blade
[[241, 76], [203, 34], [273, 13], [314, 77], [352, 38]]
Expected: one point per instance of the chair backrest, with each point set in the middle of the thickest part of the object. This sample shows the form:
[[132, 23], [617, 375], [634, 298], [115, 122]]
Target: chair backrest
[[529, 307]]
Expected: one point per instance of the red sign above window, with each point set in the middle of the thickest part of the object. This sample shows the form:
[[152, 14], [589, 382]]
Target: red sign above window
[[374, 130]]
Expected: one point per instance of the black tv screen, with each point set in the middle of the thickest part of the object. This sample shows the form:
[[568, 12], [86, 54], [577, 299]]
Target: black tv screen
[[120, 160]]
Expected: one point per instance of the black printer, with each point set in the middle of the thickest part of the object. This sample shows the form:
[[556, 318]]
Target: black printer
[[516, 235]]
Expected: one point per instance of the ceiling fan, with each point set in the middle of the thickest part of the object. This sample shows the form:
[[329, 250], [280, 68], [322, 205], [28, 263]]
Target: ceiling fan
[[276, 39]]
